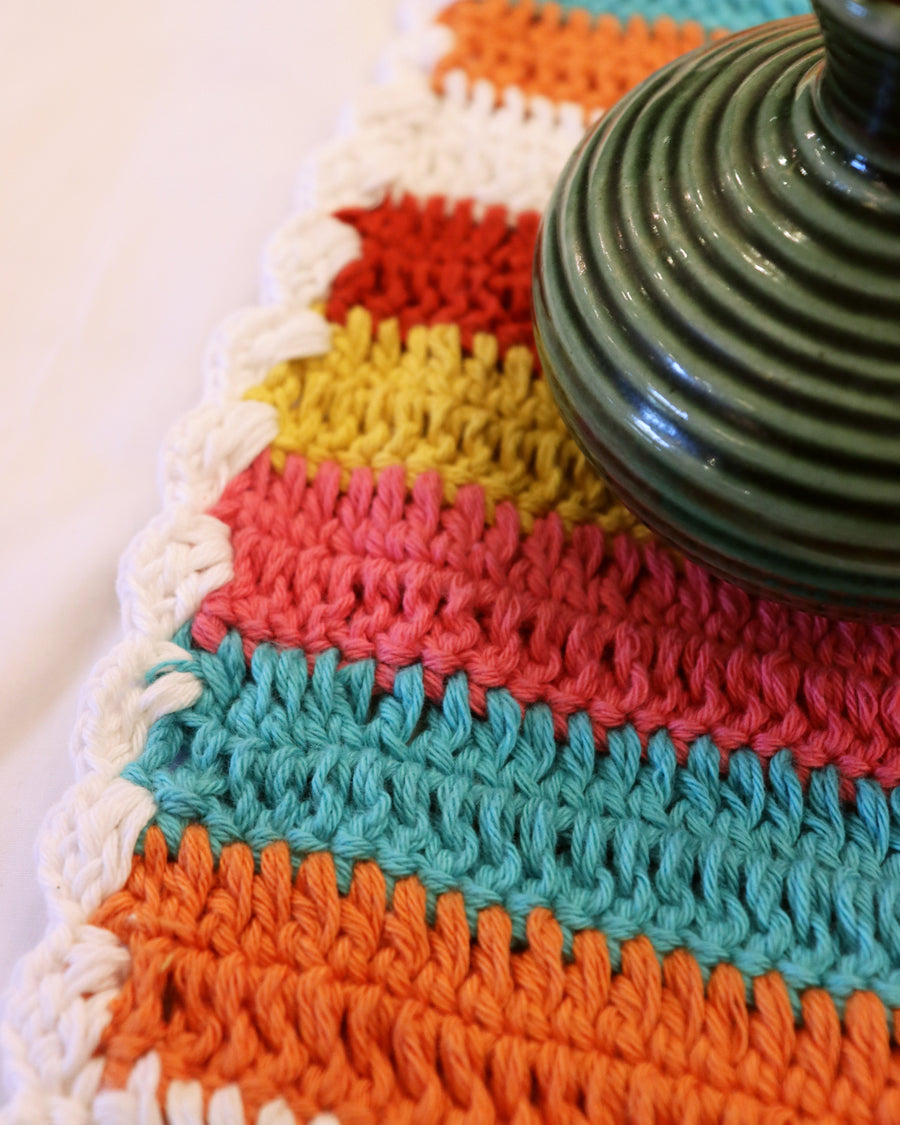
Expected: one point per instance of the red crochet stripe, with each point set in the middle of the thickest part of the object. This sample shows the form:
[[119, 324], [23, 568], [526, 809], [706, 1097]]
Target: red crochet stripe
[[610, 627], [425, 264]]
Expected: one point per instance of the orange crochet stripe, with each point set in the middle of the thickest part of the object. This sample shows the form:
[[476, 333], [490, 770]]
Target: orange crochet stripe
[[346, 1004], [575, 57]]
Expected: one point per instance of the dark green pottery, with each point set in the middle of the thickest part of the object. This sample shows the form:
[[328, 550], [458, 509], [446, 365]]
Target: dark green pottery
[[717, 305]]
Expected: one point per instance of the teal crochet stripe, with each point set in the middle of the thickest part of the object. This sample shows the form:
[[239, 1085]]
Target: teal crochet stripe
[[731, 15], [746, 869]]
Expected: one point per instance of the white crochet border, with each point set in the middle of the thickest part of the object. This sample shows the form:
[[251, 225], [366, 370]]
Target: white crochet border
[[401, 138]]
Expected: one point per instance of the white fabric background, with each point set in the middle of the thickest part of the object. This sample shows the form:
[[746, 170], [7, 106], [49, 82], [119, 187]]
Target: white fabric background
[[146, 153]]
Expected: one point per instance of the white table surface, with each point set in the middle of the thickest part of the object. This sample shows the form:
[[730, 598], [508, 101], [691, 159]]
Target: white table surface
[[146, 153]]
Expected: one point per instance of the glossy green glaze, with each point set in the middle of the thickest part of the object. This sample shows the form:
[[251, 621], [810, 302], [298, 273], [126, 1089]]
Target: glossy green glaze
[[717, 306]]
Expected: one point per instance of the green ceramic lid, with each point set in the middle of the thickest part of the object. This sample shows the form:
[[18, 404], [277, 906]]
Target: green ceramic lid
[[717, 305]]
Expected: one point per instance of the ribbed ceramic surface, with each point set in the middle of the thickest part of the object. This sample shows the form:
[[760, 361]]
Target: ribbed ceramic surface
[[861, 87], [717, 303]]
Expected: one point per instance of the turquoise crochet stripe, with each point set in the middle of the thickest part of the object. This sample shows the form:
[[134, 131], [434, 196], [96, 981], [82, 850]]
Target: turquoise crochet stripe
[[732, 15], [745, 869]]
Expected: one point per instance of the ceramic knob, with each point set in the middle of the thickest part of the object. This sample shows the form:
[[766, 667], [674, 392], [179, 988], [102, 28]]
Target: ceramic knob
[[717, 305]]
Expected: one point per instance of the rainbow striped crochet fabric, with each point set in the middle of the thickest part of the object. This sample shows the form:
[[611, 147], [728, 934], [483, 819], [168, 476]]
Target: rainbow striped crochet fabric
[[427, 786]]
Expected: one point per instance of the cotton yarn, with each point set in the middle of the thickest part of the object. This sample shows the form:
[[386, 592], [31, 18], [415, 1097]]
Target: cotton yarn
[[426, 784]]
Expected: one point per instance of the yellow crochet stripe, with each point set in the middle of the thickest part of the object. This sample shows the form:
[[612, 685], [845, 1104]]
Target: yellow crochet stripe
[[373, 402]]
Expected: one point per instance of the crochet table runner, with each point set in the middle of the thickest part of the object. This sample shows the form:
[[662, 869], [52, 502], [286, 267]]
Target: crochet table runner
[[426, 785]]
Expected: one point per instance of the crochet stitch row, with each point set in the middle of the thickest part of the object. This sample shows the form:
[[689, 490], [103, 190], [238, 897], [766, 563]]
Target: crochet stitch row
[[425, 263], [741, 868], [591, 62], [458, 144], [730, 14], [348, 1004], [428, 405], [581, 622]]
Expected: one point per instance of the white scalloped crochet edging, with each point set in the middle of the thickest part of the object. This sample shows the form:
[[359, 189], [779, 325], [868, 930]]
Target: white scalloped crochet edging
[[406, 139], [184, 1103], [57, 1007]]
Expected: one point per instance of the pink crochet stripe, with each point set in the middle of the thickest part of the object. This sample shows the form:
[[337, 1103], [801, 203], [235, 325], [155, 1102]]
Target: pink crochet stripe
[[611, 627]]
